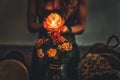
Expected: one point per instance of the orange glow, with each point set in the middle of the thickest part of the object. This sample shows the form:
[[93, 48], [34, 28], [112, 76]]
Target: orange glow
[[53, 22], [65, 47], [40, 53], [52, 52], [39, 42]]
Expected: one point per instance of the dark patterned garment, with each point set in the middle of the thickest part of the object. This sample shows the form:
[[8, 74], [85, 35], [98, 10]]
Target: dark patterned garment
[[40, 69]]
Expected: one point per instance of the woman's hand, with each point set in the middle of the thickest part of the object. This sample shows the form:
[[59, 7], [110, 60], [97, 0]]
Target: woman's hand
[[65, 29], [54, 22]]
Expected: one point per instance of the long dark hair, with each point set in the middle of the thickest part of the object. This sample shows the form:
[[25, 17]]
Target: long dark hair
[[66, 6]]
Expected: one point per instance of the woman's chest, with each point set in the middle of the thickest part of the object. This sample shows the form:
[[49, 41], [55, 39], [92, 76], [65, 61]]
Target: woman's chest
[[49, 4]]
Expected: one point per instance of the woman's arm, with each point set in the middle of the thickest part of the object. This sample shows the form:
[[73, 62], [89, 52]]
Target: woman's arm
[[32, 24], [81, 19]]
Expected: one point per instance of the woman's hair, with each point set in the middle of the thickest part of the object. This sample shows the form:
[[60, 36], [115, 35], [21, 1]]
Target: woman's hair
[[66, 6]]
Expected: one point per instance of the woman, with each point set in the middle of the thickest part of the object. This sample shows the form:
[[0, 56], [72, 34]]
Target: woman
[[74, 14]]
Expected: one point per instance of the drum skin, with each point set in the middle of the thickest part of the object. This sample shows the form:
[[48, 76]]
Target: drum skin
[[13, 70]]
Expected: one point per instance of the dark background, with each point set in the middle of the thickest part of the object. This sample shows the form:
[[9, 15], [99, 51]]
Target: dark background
[[103, 20]]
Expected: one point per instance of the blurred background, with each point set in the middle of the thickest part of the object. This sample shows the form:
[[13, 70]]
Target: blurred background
[[16, 42], [103, 20]]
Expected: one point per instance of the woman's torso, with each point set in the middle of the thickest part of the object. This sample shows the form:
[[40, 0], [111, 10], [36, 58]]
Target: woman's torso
[[44, 10]]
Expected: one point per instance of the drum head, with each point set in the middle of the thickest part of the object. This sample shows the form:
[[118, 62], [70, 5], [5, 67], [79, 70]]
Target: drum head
[[13, 70]]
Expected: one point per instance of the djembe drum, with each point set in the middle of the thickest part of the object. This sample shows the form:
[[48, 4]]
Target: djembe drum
[[12, 69]]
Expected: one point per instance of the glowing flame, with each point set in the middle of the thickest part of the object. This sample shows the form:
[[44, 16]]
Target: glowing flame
[[53, 22]]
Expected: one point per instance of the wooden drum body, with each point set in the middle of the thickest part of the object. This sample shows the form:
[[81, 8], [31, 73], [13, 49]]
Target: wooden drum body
[[13, 70]]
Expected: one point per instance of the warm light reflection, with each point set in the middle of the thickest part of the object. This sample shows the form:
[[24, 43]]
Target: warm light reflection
[[53, 22]]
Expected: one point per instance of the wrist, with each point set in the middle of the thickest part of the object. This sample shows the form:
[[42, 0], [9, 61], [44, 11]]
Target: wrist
[[70, 29], [66, 29]]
